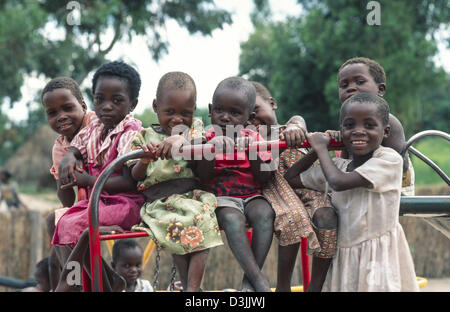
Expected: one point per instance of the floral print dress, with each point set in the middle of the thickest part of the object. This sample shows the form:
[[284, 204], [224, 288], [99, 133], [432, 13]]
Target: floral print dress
[[179, 223]]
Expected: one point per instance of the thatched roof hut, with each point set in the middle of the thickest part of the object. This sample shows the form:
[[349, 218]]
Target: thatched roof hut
[[32, 161]]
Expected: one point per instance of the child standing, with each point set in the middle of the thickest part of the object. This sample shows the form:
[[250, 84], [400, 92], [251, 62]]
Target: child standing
[[372, 252], [66, 114], [127, 261], [9, 191], [237, 179], [300, 212], [178, 216], [361, 74]]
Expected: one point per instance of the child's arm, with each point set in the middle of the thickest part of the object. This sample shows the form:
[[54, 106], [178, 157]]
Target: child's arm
[[65, 195], [68, 166], [204, 168], [256, 163], [292, 175], [139, 170], [396, 139], [295, 132], [337, 179], [117, 184]]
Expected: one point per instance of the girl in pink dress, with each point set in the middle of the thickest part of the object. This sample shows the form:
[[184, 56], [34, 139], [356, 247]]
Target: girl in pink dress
[[108, 136]]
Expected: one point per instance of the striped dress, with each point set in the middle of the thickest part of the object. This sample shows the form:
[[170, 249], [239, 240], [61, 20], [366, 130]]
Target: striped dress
[[118, 209]]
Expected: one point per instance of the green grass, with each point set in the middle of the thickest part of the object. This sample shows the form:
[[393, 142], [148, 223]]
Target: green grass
[[437, 150]]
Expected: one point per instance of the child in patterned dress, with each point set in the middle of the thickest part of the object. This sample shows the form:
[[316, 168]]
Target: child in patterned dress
[[177, 215], [298, 212]]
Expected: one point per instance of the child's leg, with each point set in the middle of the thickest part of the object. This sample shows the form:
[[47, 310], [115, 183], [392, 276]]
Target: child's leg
[[197, 265], [325, 221], [233, 222], [286, 262], [81, 256], [260, 217], [182, 264], [54, 268]]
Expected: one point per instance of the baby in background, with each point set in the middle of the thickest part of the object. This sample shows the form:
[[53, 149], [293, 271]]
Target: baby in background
[[127, 262]]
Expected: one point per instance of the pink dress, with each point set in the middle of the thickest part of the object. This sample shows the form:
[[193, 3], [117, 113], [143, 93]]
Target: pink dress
[[120, 209]]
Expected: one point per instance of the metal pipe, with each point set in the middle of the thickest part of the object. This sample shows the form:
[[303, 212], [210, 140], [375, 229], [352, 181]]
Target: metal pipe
[[423, 134], [430, 163], [425, 205]]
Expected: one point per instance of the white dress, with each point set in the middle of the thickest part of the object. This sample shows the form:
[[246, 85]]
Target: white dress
[[372, 252]]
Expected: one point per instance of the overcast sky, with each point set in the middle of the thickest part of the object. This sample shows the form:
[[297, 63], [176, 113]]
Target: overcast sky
[[207, 59]]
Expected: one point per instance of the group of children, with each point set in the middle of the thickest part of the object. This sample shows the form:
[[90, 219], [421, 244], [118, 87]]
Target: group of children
[[183, 203]]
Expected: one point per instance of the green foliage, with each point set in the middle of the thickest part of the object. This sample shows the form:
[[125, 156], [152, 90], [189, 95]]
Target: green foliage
[[298, 59], [24, 46], [437, 150], [78, 42], [148, 117]]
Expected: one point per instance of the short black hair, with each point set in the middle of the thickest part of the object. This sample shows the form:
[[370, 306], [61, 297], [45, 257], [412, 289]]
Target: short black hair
[[375, 69], [175, 81], [121, 245], [123, 72], [239, 85], [42, 268], [382, 105], [6, 173], [261, 90], [63, 83]]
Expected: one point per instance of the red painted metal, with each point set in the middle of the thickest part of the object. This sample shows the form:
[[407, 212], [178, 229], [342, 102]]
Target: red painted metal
[[123, 235], [95, 237]]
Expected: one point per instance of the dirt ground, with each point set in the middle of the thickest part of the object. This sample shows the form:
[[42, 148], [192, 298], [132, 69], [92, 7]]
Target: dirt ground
[[50, 202], [437, 285]]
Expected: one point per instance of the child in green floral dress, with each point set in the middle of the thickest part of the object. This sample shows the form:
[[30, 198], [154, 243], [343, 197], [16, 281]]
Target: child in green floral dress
[[178, 216]]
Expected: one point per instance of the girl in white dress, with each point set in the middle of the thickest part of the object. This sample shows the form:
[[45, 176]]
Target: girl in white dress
[[372, 252]]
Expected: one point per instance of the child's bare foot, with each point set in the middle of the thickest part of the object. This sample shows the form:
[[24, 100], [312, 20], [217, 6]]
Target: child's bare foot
[[247, 286]]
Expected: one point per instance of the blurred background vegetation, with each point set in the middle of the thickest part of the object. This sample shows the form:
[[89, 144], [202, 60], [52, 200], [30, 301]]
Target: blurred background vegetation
[[297, 58]]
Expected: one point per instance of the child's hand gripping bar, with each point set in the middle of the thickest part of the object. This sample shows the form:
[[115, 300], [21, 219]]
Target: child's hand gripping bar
[[207, 148]]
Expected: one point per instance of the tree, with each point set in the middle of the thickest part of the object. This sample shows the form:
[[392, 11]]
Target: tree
[[298, 59], [25, 47], [68, 38]]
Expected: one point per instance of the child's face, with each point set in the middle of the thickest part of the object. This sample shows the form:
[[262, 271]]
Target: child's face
[[112, 101], [362, 128], [3, 178], [230, 109], [129, 265], [264, 112], [64, 113], [356, 78], [177, 107]]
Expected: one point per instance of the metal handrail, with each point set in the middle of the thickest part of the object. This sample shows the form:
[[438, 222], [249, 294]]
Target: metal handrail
[[429, 162], [416, 202]]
